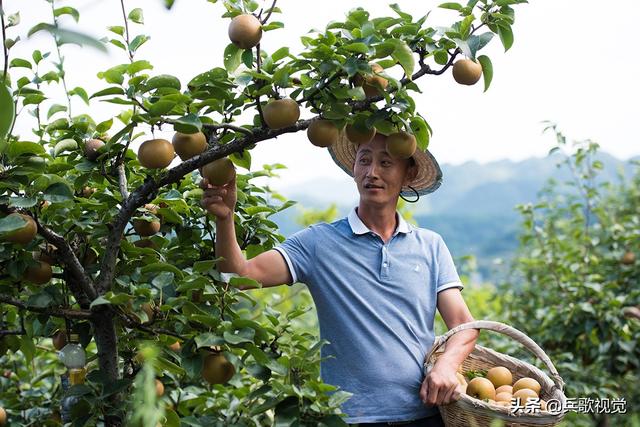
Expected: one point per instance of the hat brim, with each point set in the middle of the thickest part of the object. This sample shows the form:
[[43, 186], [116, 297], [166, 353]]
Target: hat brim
[[427, 180]]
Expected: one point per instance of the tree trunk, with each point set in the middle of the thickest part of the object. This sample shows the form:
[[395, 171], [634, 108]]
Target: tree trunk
[[107, 344]]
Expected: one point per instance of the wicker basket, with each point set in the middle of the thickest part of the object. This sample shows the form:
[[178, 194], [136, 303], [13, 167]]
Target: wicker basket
[[471, 412]]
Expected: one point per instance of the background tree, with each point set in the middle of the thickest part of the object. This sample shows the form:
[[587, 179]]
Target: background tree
[[575, 273], [114, 248]]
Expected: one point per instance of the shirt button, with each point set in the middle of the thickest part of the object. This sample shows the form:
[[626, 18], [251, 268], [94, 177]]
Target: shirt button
[[384, 264]]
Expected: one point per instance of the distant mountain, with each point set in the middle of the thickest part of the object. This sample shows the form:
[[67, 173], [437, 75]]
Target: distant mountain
[[474, 209]]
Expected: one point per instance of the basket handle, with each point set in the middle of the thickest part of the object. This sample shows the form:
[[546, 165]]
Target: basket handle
[[505, 330]]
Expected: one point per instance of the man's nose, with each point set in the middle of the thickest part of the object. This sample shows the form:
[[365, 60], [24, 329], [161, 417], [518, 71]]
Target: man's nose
[[372, 170]]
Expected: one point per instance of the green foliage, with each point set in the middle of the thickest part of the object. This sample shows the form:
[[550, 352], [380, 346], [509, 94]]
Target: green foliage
[[127, 298], [570, 284]]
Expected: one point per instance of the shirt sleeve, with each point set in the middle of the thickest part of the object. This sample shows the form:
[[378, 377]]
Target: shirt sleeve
[[447, 273], [298, 251]]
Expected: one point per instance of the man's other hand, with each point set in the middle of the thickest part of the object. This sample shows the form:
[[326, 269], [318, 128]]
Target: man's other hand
[[440, 386], [219, 200]]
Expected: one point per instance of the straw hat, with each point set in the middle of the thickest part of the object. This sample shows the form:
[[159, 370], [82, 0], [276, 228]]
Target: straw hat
[[427, 180]]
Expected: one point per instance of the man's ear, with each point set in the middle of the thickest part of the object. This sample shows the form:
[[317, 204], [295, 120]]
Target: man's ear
[[412, 172]]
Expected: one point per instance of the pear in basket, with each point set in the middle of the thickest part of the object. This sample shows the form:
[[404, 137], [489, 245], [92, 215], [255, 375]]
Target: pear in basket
[[481, 388], [527, 382]]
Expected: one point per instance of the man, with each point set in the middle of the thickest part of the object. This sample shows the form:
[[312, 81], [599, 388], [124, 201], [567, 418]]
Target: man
[[376, 282]]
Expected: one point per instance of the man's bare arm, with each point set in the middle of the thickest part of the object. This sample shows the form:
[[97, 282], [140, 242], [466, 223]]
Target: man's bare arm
[[268, 268], [454, 312], [440, 386]]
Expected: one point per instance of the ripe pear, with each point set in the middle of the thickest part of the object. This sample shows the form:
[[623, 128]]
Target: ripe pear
[[481, 388], [216, 369], [3, 416], [59, 340], [188, 145], [145, 243], [219, 172], [322, 133], [159, 388], [358, 133], [156, 153], [628, 258], [25, 234], [245, 31], [467, 72], [175, 346], [146, 228], [40, 273], [91, 148], [88, 191], [401, 145], [526, 382], [373, 85], [281, 113]]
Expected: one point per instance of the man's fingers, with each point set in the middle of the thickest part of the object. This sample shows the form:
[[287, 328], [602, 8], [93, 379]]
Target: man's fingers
[[423, 392], [432, 395]]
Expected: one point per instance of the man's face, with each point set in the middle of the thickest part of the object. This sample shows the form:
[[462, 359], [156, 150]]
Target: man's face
[[379, 176]]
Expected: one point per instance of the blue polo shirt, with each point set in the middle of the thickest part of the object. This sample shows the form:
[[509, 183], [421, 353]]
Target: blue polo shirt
[[376, 305]]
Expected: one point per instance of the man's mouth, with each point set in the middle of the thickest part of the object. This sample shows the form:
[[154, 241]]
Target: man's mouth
[[372, 186]]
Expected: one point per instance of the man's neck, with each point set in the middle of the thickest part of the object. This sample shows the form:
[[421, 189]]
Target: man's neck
[[380, 220]]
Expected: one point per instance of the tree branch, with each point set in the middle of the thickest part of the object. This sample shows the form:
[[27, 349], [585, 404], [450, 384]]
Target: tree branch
[[146, 192], [68, 257], [122, 181], [239, 129], [66, 313], [4, 44], [266, 18], [140, 326]]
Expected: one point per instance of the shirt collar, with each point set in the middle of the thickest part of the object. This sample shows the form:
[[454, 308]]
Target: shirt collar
[[358, 227]]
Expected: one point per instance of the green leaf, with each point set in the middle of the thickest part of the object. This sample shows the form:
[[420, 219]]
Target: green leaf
[[232, 57], [58, 193], [279, 54], [33, 99], [11, 223], [102, 127], [22, 202], [67, 10], [420, 130], [272, 26], [208, 339], [118, 29], [138, 41], [67, 144], [20, 63], [78, 91], [19, 148], [451, 6], [138, 66], [403, 54], [161, 107], [188, 124], [441, 57], [136, 16], [162, 81], [357, 48], [114, 90], [506, 36], [487, 70], [405, 16], [247, 58], [7, 114], [239, 336], [99, 301], [68, 36]]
